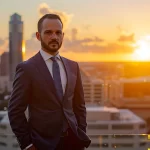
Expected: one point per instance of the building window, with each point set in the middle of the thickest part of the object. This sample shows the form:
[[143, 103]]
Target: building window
[[114, 116], [121, 145], [99, 145], [104, 136], [142, 126], [15, 145], [94, 145], [97, 91], [99, 136], [104, 145], [87, 92], [3, 126], [124, 127], [97, 97], [86, 85], [3, 144], [3, 136], [95, 126], [122, 136], [143, 144], [143, 136]]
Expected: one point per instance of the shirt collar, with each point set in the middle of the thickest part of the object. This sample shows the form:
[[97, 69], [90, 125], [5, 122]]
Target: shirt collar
[[47, 56]]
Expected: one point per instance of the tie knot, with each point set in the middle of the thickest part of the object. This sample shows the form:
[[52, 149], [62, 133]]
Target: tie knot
[[53, 58]]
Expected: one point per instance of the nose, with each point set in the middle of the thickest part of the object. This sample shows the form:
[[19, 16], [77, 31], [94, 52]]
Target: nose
[[54, 36]]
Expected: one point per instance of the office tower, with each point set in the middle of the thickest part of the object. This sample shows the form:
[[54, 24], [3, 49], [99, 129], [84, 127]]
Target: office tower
[[131, 93], [15, 43], [4, 69], [112, 128], [93, 89]]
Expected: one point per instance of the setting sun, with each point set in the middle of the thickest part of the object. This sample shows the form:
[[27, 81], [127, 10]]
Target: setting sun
[[142, 50], [23, 49]]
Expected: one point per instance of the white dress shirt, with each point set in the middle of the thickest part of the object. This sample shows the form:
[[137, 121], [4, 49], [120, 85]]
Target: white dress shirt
[[46, 57]]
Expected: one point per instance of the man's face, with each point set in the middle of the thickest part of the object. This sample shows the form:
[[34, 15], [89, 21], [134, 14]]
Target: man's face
[[51, 35]]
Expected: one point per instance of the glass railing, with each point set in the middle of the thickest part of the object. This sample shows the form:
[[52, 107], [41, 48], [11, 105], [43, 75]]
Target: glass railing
[[99, 142], [120, 142]]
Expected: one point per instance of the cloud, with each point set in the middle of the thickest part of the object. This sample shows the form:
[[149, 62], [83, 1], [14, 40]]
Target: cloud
[[74, 33], [126, 38], [119, 48], [96, 44], [4, 45], [78, 46], [82, 45], [74, 43], [93, 40], [86, 27], [1, 41], [32, 46], [45, 9], [86, 40]]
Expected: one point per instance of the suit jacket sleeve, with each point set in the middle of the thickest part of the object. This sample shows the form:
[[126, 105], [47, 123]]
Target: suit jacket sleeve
[[17, 105], [79, 103]]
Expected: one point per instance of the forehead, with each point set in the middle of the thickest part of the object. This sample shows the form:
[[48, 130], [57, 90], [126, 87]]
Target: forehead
[[51, 24]]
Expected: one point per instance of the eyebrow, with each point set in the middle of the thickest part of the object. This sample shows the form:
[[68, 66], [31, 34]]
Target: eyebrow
[[52, 30]]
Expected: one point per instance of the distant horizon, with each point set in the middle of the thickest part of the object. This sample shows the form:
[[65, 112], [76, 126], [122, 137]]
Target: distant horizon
[[115, 61]]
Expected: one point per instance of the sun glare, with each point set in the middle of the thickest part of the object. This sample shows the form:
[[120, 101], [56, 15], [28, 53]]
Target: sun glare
[[23, 49], [142, 50]]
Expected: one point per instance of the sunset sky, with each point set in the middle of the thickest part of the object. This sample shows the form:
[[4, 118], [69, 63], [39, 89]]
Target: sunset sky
[[95, 30]]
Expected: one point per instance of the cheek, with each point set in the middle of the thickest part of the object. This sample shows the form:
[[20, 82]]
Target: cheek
[[45, 39], [60, 40]]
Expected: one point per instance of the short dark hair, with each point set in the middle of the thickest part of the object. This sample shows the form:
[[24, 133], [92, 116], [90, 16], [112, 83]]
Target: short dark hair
[[47, 16]]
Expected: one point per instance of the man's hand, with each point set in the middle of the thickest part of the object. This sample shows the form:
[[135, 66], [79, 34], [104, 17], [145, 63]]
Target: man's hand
[[32, 148]]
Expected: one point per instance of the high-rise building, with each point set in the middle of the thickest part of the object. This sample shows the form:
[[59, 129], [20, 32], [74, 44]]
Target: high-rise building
[[110, 128], [93, 89], [4, 65], [15, 43], [131, 93]]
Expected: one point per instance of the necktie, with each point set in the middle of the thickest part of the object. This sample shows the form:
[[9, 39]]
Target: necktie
[[57, 78], [58, 86]]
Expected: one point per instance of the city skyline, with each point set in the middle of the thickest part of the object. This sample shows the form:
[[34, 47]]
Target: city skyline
[[96, 31], [15, 43]]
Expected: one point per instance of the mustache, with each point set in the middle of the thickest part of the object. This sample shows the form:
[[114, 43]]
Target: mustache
[[53, 42]]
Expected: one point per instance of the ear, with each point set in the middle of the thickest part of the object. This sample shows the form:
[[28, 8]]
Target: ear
[[63, 35], [38, 36]]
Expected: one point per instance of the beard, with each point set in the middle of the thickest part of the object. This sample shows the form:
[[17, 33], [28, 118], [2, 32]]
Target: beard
[[52, 46]]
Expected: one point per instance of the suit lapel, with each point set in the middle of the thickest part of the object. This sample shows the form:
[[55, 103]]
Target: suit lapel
[[46, 75], [68, 75]]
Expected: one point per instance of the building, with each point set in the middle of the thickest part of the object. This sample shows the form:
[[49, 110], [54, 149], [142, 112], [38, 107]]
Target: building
[[4, 84], [15, 43], [112, 128], [4, 65], [8, 140], [131, 93], [108, 128], [93, 89]]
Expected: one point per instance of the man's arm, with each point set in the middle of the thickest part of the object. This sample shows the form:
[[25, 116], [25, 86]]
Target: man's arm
[[79, 103], [17, 105]]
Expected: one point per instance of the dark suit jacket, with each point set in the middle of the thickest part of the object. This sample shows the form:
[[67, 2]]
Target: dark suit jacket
[[33, 87]]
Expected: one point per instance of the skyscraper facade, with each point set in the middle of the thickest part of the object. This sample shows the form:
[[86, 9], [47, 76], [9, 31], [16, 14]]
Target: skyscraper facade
[[4, 65], [15, 43]]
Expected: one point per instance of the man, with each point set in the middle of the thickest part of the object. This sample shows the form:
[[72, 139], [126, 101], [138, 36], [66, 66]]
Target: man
[[50, 86]]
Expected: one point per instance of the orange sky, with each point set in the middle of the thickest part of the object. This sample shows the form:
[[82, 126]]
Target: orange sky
[[97, 30]]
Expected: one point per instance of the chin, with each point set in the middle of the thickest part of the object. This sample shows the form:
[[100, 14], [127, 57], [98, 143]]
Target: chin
[[53, 50]]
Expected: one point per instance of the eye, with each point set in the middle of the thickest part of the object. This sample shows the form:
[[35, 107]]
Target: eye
[[59, 33], [48, 32]]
